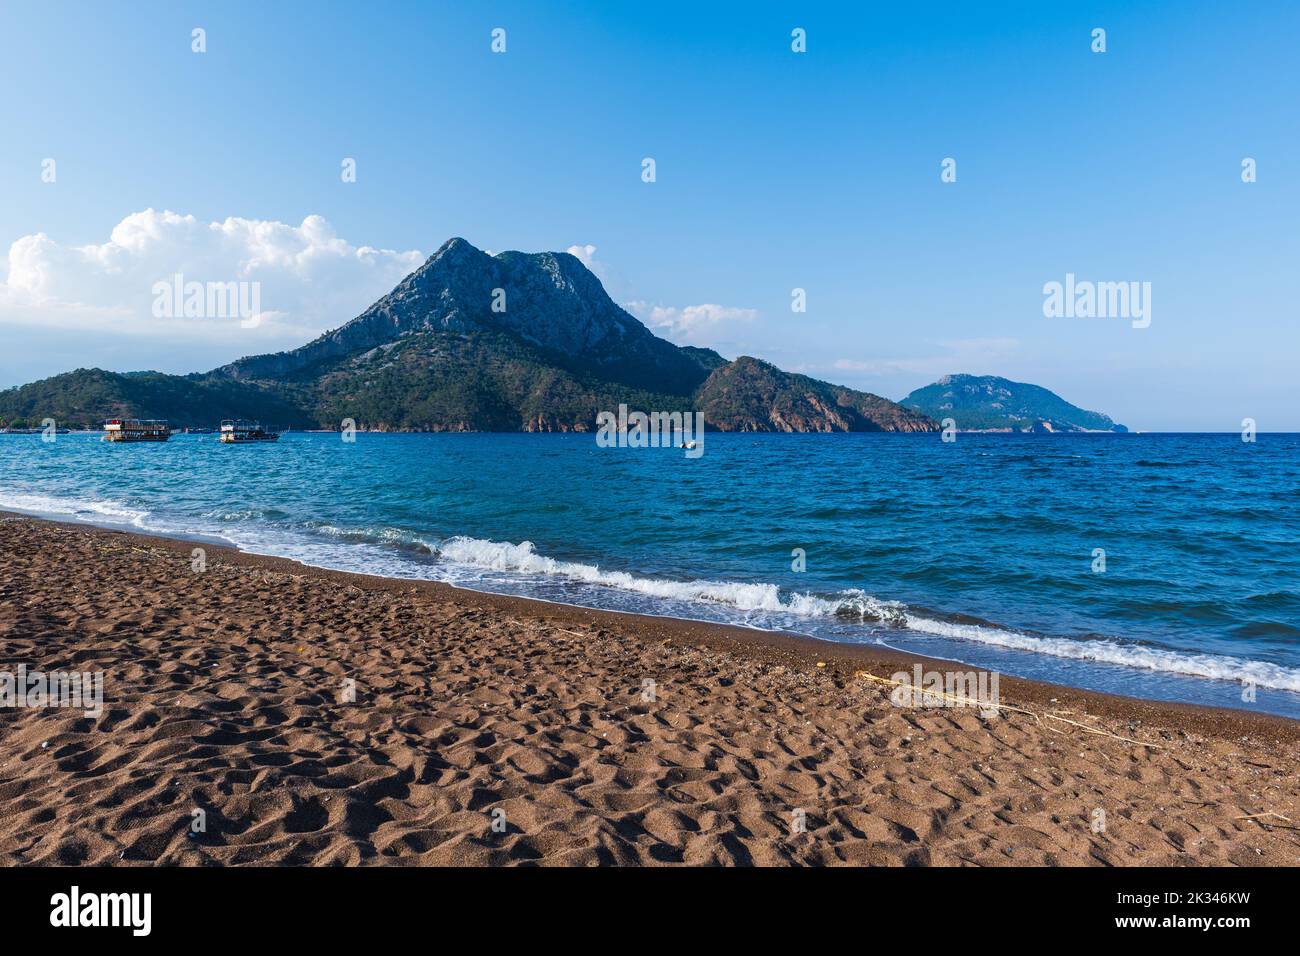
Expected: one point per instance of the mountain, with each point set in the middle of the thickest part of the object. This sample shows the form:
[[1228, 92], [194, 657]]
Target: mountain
[[474, 342], [549, 301], [752, 396], [990, 403]]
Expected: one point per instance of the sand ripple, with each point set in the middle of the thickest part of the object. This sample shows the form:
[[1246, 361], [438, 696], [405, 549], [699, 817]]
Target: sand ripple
[[225, 694]]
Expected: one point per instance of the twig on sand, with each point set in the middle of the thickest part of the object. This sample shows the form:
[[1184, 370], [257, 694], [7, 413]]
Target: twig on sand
[[1269, 813], [1019, 710]]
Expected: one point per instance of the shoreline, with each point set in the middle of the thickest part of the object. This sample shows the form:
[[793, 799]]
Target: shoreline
[[720, 636], [223, 695]]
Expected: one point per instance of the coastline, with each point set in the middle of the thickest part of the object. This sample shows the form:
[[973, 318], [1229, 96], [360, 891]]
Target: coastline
[[770, 646], [471, 702]]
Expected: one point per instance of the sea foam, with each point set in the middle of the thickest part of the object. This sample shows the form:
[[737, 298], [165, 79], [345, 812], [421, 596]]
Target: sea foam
[[87, 510], [858, 605], [523, 560]]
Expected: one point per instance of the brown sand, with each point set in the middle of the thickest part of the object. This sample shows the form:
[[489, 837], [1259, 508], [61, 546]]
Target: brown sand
[[224, 692]]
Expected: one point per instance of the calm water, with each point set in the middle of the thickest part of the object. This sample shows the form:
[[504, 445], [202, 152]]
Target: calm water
[[980, 550]]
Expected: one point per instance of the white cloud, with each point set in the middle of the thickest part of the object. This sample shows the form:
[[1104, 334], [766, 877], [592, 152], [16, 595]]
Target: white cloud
[[584, 254], [692, 322], [308, 278], [609, 278], [695, 324]]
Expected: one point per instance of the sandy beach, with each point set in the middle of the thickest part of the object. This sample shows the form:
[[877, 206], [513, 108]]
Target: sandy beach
[[324, 718]]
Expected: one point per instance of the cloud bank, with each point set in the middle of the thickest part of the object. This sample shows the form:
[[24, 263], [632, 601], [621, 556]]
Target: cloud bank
[[693, 323], [309, 278]]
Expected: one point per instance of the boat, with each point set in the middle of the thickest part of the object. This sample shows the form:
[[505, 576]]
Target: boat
[[136, 429], [242, 432]]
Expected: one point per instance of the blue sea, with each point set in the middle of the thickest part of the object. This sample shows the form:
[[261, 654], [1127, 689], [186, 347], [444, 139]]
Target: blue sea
[[983, 550]]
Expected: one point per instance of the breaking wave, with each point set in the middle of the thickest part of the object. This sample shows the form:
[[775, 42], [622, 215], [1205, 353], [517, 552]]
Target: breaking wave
[[857, 605], [98, 512], [774, 606]]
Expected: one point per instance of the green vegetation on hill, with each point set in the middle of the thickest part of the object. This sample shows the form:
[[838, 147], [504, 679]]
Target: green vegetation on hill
[[444, 381], [86, 397], [990, 403], [752, 395], [435, 355]]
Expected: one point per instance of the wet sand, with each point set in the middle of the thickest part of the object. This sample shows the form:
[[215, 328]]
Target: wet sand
[[496, 730]]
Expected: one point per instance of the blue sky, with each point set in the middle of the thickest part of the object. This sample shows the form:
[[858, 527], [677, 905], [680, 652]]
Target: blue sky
[[775, 170]]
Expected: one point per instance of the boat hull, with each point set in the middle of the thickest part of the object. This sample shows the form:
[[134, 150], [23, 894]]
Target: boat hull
[[229, 439], [130, 437]]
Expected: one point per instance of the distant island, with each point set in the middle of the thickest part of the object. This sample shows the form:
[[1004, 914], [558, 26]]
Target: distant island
[[515, 342], [992, 404]]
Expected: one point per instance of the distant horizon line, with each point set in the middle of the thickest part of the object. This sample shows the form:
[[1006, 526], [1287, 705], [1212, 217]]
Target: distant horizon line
[[992, 432]]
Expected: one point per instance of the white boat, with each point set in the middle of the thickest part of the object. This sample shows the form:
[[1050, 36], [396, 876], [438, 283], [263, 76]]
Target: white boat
[[242, 433]]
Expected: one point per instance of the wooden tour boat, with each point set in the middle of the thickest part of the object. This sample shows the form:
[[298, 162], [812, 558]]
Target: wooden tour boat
[[136, 429], [241, 432]]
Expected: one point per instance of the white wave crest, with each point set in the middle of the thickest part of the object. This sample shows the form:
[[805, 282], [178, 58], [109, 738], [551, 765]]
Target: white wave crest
[[1262, 673], [84, 510], [858, 605], [523, 558]]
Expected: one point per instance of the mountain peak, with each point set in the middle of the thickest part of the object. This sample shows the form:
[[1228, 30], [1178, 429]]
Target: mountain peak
[[456, 254], [545, 300], [456, 248]]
